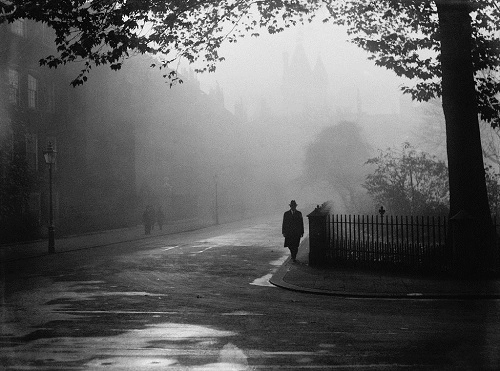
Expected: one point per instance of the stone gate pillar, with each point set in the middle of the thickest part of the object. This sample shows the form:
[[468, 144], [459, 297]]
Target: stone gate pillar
[[318, 237]]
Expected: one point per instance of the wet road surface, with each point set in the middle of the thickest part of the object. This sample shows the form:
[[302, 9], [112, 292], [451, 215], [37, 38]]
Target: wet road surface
[[201, 301]]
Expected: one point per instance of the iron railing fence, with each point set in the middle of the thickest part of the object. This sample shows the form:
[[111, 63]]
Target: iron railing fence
[[410, 242]]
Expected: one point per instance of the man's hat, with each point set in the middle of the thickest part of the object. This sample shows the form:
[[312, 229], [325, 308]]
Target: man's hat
[[293, 203]]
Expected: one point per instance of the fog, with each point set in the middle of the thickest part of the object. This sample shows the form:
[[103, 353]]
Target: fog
[[253, 69], [221, 146], [253, 76]]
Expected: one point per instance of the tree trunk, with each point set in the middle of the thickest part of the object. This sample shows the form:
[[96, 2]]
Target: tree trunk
[[465, 161]]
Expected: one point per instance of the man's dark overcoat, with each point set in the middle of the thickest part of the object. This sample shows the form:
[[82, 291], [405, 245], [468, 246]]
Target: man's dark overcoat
[[292, 228]]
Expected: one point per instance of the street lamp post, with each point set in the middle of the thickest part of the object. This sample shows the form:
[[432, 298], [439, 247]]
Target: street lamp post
[[216, 202], [50, 159]]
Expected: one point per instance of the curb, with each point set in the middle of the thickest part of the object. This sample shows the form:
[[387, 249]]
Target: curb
[[278, 279]]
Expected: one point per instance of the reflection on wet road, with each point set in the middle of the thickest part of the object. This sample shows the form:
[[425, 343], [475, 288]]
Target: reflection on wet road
[[133, 313]]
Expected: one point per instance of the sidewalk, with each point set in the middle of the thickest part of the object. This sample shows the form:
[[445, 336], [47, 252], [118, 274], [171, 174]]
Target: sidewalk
[[372, 284], [27, 250]]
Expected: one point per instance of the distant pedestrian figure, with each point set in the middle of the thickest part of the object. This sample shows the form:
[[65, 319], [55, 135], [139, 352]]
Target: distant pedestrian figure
[[293, 229], [160, 217], [152, 216], [146, 220]]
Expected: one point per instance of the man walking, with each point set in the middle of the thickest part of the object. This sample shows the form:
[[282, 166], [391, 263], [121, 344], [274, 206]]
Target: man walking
[[146, 220], [160, 217], [293, 229]]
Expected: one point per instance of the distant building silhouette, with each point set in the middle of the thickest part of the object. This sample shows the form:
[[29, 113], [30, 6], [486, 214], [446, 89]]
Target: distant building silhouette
[[359, 105], [319, 92], [241, 111], [304, 88], [217, 95]]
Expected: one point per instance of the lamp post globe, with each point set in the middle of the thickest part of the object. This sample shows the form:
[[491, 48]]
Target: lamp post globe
[[50, 159]]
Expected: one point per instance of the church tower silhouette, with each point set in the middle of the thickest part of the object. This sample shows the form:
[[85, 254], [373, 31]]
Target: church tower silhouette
[[303, 89]]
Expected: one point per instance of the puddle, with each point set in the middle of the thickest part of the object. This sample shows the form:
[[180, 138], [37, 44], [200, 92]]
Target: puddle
[[127, 293], [263, 281], [150, 348], [36, 307], [241, 313]]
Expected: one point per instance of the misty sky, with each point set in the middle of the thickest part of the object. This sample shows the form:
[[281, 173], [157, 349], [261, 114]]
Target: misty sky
[[254, 66]]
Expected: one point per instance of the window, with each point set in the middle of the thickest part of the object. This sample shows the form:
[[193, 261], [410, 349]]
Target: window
[[13, 86], [47, 34], [32, 92], [32, 151], [6, 147], [19, 27]]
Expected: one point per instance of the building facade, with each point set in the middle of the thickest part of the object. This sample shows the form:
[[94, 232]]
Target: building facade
[[34, 110], [124, 140]]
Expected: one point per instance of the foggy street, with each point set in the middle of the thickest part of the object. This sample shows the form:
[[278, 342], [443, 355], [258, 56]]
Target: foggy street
[[201, 300], [149, 151]]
